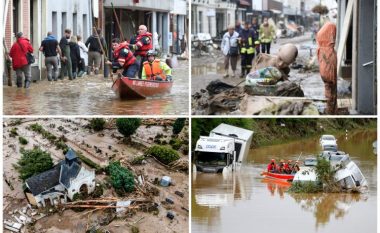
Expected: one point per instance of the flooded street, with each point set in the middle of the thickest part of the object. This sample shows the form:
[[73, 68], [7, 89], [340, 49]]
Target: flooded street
[[92, 95], [245, 202]]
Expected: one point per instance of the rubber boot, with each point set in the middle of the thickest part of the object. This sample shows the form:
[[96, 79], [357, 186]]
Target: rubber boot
[[27, 84]]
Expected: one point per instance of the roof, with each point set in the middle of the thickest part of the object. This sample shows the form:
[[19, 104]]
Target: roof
[[70, 154], [229, 130], [68, 173], [44, 181]]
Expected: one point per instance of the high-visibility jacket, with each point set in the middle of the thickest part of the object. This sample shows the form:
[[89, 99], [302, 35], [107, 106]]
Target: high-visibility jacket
[[267, 33], [247, 42], [143, 44], [123, 55], [156, 68]]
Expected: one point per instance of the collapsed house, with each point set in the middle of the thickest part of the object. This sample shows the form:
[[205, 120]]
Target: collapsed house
[[63, 181]]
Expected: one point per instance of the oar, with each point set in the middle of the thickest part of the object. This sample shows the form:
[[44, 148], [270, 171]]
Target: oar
[[117, 22]]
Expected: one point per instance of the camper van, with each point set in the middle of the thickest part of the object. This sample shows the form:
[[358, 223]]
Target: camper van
[[223, 150]]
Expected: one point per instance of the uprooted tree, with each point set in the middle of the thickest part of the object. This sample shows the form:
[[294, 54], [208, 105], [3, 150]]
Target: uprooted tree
[[127, 126], [33, 162], [121, 178]]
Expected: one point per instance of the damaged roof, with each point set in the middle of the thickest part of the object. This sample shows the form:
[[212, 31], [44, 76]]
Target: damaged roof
[[44, 181], [68, 172]]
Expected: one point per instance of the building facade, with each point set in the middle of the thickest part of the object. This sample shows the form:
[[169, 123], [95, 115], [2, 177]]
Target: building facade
[[37, 17]]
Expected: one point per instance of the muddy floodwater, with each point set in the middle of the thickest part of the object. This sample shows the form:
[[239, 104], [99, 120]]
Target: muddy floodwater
[[245, 202], [92, 95]]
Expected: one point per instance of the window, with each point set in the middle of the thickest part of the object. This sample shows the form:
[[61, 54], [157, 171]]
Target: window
[[63, 23], [75, 24], [54, 23], [200, 21]]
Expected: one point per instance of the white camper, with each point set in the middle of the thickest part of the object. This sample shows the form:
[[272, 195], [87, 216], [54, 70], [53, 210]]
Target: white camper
[[224, 150]]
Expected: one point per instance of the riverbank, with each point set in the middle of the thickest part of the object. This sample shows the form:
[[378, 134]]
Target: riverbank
[[279, 130]]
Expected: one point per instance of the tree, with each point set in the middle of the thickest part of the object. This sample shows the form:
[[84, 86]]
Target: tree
[[97, 124], [33, 162], [121, 178], [127, 126], [178, 125]]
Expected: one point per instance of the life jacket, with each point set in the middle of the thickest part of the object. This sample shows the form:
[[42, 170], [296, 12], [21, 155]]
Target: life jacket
[[129, 59], [143, 48], [152, 70]]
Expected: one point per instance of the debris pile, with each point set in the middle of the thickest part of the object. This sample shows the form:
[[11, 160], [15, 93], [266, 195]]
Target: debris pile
[[222, 98]]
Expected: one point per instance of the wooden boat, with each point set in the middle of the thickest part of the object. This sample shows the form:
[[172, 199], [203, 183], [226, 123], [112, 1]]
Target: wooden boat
[[131, 88], [288, 177]]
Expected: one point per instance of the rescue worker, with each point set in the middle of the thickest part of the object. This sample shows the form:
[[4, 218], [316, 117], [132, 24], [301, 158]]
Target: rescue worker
[[295, 167], [280, 166], [141, 44], [267, 34], [155, 69], [288, 167], [247, 49], [328, 64], [255, 27], [272, 166], [123, 58], [287, 54]]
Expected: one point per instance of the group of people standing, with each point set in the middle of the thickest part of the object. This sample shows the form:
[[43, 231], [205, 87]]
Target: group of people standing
[[245, 41], [78, 58]]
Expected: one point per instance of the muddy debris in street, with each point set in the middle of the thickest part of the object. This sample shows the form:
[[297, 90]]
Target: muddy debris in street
[[222, 98], [107, 208]]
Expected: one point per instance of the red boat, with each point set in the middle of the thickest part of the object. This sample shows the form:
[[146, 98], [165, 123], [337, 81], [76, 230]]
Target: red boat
[[288, 177], [131, 88]]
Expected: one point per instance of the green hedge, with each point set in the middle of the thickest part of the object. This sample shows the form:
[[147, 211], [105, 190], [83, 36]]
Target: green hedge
[[164, 154]]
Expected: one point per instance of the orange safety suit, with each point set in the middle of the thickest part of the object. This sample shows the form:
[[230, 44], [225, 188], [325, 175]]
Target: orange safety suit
[[328, 64]]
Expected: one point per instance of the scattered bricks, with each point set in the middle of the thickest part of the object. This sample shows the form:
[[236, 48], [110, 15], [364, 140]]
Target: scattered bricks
[[169, 200], [179, 193], [170, 215]]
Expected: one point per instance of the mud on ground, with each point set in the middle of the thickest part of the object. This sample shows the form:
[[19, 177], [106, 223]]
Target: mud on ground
[[100, 147]]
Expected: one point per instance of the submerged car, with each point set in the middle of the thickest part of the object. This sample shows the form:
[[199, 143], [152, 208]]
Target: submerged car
[[328, 143], [348, 174]]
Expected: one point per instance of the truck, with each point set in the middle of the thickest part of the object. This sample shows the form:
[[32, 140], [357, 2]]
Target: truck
[[224, 150]]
